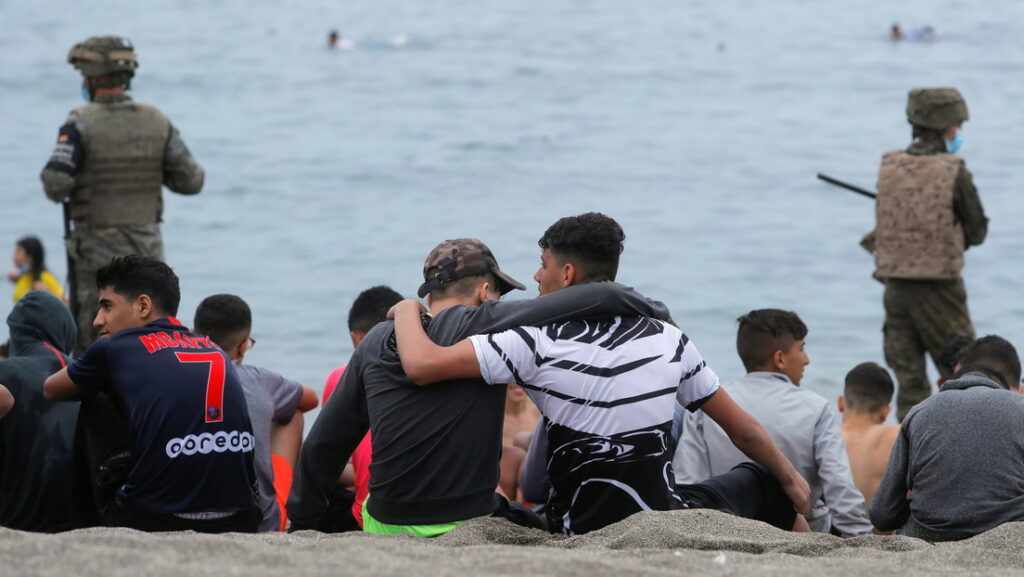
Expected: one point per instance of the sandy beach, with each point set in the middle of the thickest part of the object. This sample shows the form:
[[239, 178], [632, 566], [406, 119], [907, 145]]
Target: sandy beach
[[654, 543]]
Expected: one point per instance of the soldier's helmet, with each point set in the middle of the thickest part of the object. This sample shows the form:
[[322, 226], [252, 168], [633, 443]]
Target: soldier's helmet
[[104, 56], [936, 108]]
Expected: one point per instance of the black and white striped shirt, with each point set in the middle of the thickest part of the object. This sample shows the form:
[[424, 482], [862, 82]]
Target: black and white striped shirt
[[607, 390]]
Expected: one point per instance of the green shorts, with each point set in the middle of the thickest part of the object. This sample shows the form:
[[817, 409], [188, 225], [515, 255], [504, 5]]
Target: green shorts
[[371, 525]]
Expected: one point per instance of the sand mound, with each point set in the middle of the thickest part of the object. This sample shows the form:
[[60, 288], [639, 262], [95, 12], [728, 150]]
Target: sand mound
[[697, 543]]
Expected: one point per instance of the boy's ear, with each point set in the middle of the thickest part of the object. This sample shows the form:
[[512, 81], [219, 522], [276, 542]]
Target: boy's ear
[[240, 349], [885, 413], [143, 306], [777, 361], [841, 402], [569, 274], [357, 337], [483, 291]]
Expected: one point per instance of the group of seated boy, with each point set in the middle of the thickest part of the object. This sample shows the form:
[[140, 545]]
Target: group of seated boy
[[419, 433]]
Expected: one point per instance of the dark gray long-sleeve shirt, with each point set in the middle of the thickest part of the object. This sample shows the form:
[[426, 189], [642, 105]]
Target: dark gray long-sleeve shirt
[[961, 453]]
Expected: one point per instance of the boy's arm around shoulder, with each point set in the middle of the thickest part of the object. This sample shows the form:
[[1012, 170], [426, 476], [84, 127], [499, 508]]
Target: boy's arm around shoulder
[[588, 301], [423, 360]]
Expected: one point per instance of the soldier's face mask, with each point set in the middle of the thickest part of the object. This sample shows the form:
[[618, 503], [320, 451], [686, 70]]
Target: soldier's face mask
[[952, 146]]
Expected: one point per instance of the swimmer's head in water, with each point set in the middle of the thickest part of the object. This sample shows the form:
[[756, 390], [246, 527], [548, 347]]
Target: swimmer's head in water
[[936, 108]]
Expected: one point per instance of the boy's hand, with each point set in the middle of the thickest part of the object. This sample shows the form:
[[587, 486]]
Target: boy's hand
[[799, 492], [413, 305]]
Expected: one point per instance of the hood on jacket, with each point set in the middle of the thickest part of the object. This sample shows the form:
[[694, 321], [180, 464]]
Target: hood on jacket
[[40, 316], [971, 379]]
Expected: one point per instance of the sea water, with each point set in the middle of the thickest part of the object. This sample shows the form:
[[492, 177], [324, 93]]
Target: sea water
[[698, 125]]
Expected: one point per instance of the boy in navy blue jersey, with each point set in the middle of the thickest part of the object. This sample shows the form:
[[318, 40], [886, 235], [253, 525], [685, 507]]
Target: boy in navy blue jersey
[[189, 437]]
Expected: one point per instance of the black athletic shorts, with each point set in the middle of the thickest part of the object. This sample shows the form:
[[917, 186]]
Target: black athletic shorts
[[748, 491], [519, 514]]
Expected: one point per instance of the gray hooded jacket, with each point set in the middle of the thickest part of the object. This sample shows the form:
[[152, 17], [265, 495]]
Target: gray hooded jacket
[[36, 437], [961, 453]]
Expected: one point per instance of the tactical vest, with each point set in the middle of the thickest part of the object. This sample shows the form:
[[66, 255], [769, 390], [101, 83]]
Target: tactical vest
[[917, 233], [122, 171]]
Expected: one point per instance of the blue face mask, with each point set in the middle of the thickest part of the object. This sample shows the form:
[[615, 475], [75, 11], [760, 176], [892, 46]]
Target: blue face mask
[[952, 146], [85, 94]]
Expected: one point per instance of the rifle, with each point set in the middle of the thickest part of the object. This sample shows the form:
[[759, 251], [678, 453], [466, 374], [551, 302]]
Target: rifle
[[72, 285], [842, 184]]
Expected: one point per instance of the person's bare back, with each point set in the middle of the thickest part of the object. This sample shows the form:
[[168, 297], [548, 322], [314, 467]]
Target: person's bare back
[[865, 405], [521, 417], [868, 446]]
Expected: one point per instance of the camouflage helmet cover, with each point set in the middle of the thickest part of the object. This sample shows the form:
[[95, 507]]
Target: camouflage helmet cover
[[936, 108], [104, 55]]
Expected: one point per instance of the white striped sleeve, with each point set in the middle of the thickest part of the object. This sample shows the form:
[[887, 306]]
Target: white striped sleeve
[[698, 382], [503, 357]]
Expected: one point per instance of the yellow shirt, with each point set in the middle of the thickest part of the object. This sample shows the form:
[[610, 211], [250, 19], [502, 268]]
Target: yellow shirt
[[25, 284]]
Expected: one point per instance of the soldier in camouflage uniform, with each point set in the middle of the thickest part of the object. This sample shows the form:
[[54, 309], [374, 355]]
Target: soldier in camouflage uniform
[[111, 157], [927, 214]]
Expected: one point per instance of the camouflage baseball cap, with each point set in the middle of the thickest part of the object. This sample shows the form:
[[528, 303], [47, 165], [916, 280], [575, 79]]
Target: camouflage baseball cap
[[460, 258], [936, 108]]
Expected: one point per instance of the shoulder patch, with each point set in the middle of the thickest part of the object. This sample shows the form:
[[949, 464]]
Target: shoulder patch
[[67, 154]]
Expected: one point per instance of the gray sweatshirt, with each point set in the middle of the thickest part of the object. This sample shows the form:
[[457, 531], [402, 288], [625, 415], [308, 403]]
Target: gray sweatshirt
[[803, 426], [961, 453]]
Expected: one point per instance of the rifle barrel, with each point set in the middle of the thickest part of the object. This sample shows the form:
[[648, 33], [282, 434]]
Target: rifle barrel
[[72, 284], [847, 186]]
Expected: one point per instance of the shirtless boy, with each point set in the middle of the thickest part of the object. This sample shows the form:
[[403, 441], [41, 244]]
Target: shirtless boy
[[865, 406]]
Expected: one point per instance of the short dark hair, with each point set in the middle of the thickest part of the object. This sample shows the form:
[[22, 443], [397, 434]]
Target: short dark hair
[[869, 388], [591, 241], [133, 275], [994, 356], [222, 317], [464, 286], [371, 307], [764, 331], [950, 355]]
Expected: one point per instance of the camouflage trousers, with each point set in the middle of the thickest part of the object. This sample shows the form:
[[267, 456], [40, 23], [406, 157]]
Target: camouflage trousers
[[92, 248], [921, 317]]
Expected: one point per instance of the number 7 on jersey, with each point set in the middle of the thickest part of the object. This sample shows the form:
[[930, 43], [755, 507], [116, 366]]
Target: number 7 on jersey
[[214, 382]]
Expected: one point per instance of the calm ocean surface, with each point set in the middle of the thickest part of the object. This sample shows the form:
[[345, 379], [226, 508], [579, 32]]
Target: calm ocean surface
[[698, 125]]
